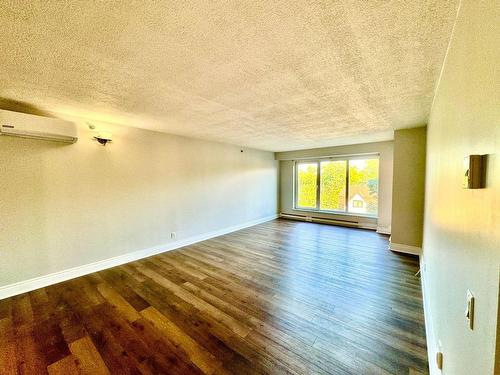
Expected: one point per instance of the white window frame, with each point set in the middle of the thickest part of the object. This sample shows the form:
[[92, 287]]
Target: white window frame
[[318, 184]]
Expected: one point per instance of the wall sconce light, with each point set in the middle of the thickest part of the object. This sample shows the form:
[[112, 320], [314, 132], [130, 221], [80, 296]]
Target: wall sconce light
[[103, 137], [474, 171]]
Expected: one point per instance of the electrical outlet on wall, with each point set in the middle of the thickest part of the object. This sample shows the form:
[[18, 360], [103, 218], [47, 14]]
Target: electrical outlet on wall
[[173, 235]]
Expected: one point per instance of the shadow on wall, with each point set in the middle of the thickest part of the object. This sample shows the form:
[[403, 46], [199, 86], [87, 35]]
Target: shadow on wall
[[25, 177], [23, 107]]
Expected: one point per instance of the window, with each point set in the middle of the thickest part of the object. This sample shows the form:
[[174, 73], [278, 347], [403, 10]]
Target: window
[[332, 182], [338, 185], [307, 180], [357, 203]]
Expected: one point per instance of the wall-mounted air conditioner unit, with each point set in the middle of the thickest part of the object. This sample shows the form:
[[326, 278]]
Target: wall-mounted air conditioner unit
[[37, 127]]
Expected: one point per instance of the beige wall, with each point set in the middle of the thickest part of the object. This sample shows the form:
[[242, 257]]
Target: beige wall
[[63, 206], [462, 227], [385, 176], [408, 187]]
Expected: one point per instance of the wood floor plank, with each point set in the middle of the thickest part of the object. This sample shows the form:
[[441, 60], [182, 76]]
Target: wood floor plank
[[7, 348], [118, 302], [119, 280], [30, 357], [198, 354], [152, 352], [50, 339], [202, 328], [89, 361], [111, 350], [281, 297], [65, 366], [22, 312], [200, 304]]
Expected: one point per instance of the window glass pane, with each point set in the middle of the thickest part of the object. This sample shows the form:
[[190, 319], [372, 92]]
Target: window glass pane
[[307, 174], [363, 186], [333, 185]]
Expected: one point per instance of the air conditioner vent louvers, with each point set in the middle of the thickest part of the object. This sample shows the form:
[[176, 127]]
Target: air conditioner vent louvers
[[37, 127]]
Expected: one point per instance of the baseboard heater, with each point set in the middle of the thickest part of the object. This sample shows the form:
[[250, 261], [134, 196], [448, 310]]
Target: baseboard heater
[[322, 220]]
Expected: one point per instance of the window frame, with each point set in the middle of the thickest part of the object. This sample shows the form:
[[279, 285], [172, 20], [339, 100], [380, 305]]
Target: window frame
[[318, 161]]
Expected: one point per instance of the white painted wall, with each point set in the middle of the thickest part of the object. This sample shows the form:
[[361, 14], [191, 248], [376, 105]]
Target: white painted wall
[[385, 149], [462, 227], [63, 206]]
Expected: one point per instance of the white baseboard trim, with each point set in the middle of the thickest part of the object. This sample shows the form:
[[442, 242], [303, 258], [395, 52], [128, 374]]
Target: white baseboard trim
[[429, 329], [407, 249], [71, 273], [384, 230]]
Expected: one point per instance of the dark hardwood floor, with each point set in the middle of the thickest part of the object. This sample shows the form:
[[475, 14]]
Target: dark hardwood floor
[[280, 297]]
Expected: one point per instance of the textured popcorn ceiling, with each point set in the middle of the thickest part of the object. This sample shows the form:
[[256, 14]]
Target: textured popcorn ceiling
[[274, 75]]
